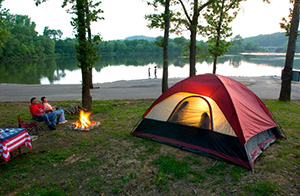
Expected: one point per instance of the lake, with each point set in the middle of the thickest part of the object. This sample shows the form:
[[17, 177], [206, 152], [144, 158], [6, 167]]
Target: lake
[[115, 68]]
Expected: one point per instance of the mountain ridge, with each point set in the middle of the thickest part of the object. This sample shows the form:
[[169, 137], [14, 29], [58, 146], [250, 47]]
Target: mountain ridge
[[278, 39]]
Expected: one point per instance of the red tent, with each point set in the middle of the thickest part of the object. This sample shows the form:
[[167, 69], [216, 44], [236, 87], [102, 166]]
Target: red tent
[[213, 115]]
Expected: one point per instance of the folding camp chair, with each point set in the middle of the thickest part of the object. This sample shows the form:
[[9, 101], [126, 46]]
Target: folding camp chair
[[31, 128]]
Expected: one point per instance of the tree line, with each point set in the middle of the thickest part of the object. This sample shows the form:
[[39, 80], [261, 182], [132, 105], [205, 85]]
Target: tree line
[[23, 41]]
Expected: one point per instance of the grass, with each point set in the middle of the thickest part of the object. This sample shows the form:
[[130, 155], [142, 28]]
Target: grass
[[109, 161]]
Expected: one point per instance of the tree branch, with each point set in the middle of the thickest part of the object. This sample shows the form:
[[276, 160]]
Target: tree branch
[[204, 5], [185, 11]]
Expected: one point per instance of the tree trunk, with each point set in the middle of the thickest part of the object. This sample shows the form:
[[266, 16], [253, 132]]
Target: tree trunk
[[90, 43], [165, 47], [285, 92], [83, 55], [193, 30], [215, 64], [218, 37], [193, 52], [86, 96]]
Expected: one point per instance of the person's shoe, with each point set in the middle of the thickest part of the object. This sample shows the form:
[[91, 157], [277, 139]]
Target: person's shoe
[[52, 127], [63, 122]]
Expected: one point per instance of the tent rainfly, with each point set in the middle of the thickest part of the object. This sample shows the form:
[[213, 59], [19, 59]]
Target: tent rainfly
[[212, 115]]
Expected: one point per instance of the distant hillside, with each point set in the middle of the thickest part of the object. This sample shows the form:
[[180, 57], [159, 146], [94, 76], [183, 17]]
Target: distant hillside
[[276, 40], [140, 37], [270, 40]]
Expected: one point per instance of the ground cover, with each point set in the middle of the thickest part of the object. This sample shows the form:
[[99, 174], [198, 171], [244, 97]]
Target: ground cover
[[109, 161]]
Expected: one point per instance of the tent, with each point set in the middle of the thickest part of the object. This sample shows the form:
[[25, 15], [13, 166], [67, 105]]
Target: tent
[[212, 115]]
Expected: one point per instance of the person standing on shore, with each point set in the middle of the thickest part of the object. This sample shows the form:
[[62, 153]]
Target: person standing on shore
[[155, 71], [149, 72]]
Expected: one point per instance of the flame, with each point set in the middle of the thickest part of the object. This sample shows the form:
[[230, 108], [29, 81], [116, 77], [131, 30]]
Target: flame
[[83, 121]]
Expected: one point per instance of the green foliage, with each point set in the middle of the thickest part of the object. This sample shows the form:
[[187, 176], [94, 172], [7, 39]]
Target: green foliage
[[286, 23], [65, 47], [218, 16], [22, 41], [86, 12], [19, 45], [156, 20], [52, 33], [4, 32], [253, 44]]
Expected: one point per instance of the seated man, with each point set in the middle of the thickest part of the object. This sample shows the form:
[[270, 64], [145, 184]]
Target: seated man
[[38, 113], [59, 112]]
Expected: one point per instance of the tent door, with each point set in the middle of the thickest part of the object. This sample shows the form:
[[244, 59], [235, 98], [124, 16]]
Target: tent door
[[193, 111]]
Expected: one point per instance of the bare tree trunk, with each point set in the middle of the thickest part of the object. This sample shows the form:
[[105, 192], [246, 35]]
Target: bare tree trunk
[[285, 92], [165, 47]]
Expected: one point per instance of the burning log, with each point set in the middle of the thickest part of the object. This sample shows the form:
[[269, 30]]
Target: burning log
[[84, 124]]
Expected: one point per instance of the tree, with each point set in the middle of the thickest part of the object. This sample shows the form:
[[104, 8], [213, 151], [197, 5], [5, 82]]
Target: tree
[[3, 30], [218, 18], [292, 27], [191, 23], [92, 16], [52, 33], [86, 52], [83, 52], [165, 23], [236, 44]]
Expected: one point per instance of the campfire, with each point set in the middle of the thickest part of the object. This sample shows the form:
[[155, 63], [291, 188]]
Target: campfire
[[84, 123]]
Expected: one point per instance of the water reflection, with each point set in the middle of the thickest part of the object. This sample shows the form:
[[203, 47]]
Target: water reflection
[[114, 68]]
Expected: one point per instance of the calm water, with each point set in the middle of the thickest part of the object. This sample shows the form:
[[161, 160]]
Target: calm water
[[110, 69]]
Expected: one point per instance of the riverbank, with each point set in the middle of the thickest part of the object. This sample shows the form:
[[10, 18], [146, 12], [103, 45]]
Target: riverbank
[[266, 87]]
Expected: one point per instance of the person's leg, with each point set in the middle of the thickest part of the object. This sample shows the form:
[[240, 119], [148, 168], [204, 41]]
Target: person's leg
[[45, 118], [61, 114], [52, 116]]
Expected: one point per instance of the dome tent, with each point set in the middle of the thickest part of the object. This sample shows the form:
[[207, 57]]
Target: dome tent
[[213, 115]]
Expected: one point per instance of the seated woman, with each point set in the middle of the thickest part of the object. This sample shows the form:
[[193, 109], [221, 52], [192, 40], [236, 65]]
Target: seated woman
[[59, 112]]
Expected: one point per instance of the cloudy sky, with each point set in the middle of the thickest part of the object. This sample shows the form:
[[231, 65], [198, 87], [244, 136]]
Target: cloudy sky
[[124, 18]]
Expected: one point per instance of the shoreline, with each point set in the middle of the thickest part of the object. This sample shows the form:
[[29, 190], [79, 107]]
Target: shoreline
[[265, 87]]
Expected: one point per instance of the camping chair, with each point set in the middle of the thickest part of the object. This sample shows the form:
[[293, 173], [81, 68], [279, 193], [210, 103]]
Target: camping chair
[[31, 128]]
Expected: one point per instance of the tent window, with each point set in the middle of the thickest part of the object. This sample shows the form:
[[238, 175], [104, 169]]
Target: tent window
[[192, 111]]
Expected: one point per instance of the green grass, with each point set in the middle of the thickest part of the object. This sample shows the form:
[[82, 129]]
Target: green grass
[[260, 189], [108, 160], [169, 165]]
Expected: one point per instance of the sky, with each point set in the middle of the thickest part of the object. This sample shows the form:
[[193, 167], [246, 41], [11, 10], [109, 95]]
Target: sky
[[125, 18]]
